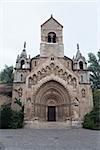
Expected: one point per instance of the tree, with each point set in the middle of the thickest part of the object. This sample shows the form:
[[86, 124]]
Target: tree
[[92, 119], [11, 119], [96, 100], [94, 67], [5, 116], [6, 75], [18, 101]]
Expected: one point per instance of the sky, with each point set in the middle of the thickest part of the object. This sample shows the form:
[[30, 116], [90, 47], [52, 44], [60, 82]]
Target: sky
[[20, 21]]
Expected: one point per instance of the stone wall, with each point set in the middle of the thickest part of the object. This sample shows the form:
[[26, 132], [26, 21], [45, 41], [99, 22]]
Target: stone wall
[[5, 94]]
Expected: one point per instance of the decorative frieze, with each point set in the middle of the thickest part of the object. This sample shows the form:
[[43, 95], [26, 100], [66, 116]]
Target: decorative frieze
[[52, 69]]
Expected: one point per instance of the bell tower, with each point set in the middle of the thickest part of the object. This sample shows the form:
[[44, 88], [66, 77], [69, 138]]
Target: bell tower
[[51, 39]]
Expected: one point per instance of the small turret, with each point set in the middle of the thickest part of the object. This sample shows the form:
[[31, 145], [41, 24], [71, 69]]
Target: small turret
[[22, 61], [22, 66], [80, 65], [79, 61]]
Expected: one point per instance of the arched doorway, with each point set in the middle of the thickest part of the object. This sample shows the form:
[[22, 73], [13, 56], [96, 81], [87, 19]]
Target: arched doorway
[[51, 113], [52, 102]]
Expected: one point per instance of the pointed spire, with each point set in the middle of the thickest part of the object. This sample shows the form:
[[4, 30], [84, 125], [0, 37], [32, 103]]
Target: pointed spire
[[24, 45], [23, 54], [77, 46], [78, 54], [17, 58], [51, 16], [73, 57]]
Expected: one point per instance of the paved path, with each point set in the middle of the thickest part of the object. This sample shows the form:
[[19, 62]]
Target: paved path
[[49, 139]]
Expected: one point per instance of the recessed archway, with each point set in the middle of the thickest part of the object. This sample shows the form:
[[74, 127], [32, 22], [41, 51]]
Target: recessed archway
[[52, 96]]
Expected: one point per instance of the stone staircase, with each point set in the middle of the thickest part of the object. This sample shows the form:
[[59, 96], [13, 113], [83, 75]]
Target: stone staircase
[[51, 125]]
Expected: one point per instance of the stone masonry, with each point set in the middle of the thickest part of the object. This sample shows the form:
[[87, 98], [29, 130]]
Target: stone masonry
[[51, 86]]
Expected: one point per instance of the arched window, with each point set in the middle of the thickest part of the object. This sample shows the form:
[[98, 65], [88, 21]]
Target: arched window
[[22, 63], [35, 63], [29, 82], [34, 79], [51, 37], [83, 92], [21, 77], [81, 78], [74, 83], [68, 64], [52, 58], [81, 65]]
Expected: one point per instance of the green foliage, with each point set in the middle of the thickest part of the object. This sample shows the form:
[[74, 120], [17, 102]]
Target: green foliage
[[96, 100], [5, 116], [17, 119], [6, 75], [18, 101], [89, 121], [10, 119], [92, 119], [94, 67]]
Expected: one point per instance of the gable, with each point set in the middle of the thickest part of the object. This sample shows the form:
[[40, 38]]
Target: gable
[[51, 23], [54, 68]]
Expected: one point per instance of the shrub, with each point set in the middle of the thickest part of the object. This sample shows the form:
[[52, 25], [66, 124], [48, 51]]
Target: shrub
[[88, 121], [6, 75], [17, 119], [92, 119], [5, 116], [10, 118]]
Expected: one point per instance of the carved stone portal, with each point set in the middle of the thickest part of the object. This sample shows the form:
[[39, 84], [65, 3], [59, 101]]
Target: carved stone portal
[[52, 95]]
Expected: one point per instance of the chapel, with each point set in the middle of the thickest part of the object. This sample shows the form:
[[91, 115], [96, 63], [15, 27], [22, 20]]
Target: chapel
[[52, 86]]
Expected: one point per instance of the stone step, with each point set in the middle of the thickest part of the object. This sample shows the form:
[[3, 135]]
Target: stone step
[[51, 125]]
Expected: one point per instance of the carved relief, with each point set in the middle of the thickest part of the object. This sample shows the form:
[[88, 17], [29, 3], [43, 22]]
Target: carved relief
[[56, 70], [75, 109], [34, 79], [19, 92], [28, 109], [74, 83], [65, 76], [43, 73], [60, 73], [69, 79], [39, 75], [76, 102], [48, 70]]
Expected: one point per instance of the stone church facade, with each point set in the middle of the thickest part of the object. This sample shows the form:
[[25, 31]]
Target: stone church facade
[[51, 86]]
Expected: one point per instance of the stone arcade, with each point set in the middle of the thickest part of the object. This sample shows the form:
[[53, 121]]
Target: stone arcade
[[51, 86]]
